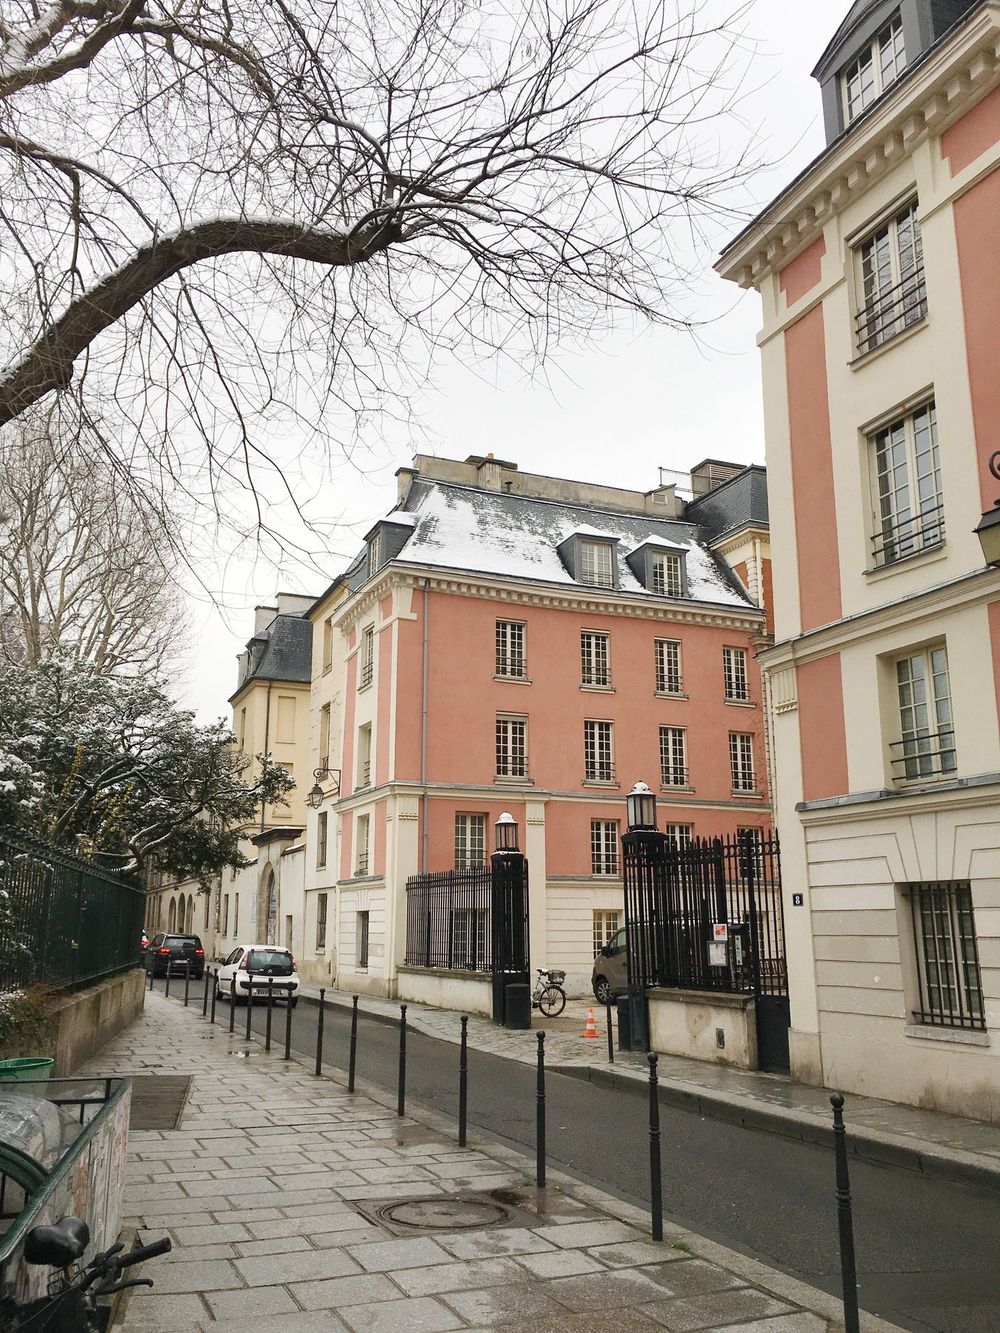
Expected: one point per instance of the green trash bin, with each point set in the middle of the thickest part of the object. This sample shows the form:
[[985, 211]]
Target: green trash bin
[[25, 1071]]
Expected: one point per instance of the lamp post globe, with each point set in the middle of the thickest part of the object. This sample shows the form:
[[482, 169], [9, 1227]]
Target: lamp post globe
[[641, 806], [315, 798], [506, 833]]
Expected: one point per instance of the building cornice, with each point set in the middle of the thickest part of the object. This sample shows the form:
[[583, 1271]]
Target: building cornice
[[890, 803], [942, 89]]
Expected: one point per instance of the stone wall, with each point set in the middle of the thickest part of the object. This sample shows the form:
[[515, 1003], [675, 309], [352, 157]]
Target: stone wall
[[84, 1020], [688, 1023]]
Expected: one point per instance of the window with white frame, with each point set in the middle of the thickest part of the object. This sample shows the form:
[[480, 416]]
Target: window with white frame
[[595, 658], [906, 484], [597, 564], [878, 65], [667, 664], [679, 835], [949, 982], [470, 840], [673, 757], [598, 753], [361, 938], [741, 760], [512, 747], [926, 748], [606, 927], [604, 847], [361, 845], [890, 264], [666, 575], [324, 736], [367, 657], [374, 554], [321, 910], [510, 644], [328, 644], [734, 672], [365, 755], [322, 836]]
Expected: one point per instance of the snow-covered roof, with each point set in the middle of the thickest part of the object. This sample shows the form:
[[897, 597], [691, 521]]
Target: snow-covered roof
[[496, 533]]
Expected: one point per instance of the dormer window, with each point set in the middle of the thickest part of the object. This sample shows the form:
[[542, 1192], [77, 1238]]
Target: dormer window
[[374, 554], [878, 65], [596, 564], [666, 575], [658, 565]]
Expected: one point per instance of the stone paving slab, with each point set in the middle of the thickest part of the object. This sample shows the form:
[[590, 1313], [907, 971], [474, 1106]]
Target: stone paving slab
[[572, 1259]]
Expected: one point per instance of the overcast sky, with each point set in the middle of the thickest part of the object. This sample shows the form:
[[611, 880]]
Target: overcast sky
[[615, 413]]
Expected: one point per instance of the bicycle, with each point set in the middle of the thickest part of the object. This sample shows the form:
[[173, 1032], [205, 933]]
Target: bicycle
[[74, 1307], [548, 995]]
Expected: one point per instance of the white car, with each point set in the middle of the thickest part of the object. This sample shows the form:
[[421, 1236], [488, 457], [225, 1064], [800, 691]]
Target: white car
[[261, 961]]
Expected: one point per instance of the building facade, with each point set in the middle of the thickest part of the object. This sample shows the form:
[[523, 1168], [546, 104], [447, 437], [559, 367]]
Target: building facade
[[879, 270], [511, 642]]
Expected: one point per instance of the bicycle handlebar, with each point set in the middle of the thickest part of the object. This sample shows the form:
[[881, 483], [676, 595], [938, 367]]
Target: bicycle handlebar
[[143, 1252]]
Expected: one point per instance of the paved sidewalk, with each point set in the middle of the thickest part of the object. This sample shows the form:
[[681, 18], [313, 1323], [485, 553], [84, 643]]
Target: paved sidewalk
[[270, 1187], [928, 1141]]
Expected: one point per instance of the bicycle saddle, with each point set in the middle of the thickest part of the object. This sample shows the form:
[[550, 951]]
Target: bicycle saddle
[[57, 1245]]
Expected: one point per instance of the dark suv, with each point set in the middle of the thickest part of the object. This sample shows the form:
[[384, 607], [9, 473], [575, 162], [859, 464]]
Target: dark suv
[[175, 952]]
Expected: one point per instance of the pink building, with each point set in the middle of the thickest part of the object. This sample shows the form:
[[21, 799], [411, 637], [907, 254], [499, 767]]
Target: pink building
[[507, 641]]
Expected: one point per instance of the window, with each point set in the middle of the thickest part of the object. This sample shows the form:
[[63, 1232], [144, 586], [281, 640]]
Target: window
[[927, 745], [361, 846], [665, 575], [734, 670], [367, 657], [598, 759], [236, 914], [470, 841], [604, 848], [468, 938], [741, 760], [512, 747], [362, 939], [906, 476], [322, 827], [605, 928], [243, 727], [878, 65], [225, 915], [667, 659], [949, 985], [597, 564], [365, 755], [891, 261], [328, 644], [324, 736], [511, 659], [373, 555], [673, 757], [321, 908], [679, 835], [595, 658]]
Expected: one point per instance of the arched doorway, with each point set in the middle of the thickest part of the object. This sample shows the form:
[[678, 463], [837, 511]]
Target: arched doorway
[[271, 910]]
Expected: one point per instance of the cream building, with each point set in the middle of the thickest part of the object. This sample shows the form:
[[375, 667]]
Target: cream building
[[879, 272]]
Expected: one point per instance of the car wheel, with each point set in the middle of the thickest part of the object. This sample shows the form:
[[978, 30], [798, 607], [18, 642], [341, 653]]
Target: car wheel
[[603, 992]]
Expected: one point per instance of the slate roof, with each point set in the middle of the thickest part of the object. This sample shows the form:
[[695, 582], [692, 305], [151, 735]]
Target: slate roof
[[283, 651], [514, 536], [737, 503]]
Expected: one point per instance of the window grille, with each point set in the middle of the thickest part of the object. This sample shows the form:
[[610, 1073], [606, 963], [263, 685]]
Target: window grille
[[470, 841], [680, 835], [595, 658], [322, 827], [606, 926], [949, 984], [596, 564], [363, 939], [878, 65], [667, 657], [909, 506], [741, 760], [324, 736], [321, 908], [367, 656], [892, 280], [361, 860], [510, 646], [597, 752], [512, 747], [665, 575], [604, 847], [365, 755], [734, 667], [927, 747], [673, 757]]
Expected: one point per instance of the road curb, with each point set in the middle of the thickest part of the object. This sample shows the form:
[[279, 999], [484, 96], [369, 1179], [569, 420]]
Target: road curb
[[884, 1149]]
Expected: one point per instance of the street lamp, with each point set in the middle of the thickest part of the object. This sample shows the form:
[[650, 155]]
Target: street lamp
[[506, 833], [988, 528], [641, 806], [316, 793]]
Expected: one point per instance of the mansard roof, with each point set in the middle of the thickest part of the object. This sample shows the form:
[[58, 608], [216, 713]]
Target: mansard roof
[[281, 652]]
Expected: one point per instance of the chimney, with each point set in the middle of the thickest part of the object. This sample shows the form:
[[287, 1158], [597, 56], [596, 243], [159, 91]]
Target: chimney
[[262, 618]]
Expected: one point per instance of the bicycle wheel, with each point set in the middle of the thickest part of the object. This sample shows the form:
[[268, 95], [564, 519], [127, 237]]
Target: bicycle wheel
[[552, 1001]]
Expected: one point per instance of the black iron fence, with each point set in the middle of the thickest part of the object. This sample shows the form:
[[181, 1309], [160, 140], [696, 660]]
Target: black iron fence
[[448, 919], [68, 922]]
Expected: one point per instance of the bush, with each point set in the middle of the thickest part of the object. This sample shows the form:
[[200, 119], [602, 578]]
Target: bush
[[26, 1026]]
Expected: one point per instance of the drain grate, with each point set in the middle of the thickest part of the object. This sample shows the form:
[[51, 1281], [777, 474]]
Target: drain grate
[[441, 1212], [158, 1100]]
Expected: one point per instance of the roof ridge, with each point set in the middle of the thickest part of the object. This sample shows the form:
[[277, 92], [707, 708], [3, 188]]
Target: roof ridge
[[558, 504]]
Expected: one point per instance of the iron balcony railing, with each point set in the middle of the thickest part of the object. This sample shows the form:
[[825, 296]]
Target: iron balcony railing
[[891, 311], [895, 540], [674, 775], [927, 754], [365, 776], [515, 667], [596, 676], [668, 682]]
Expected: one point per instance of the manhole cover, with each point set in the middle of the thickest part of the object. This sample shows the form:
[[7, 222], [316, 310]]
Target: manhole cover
[[439, 1214]]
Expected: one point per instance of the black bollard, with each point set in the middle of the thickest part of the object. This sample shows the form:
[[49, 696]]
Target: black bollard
[[151, 976], [187, 980], [319, 1032], [401, 1086], [845, 1221], [166, 990], [655, 1181], [463, 1081], [540, 1115], [232, 1001], [215, 993], [288, 1026], [249, 1002], [611, 1036], [270, 1010], [354, 1044], [204, 999]]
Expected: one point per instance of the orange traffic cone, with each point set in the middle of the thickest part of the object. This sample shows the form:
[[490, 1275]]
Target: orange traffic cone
[[591, 1029]]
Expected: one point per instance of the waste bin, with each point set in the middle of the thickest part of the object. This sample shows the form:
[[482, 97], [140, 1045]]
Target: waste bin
[[26, 1070], [633, 1022], [518, 1006]]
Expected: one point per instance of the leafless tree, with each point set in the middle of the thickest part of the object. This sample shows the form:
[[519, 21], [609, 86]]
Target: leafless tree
[[225, 214], [85, 564]]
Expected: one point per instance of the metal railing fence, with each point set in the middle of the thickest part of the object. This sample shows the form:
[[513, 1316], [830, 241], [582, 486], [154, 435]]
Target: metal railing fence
[[448, 919]]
